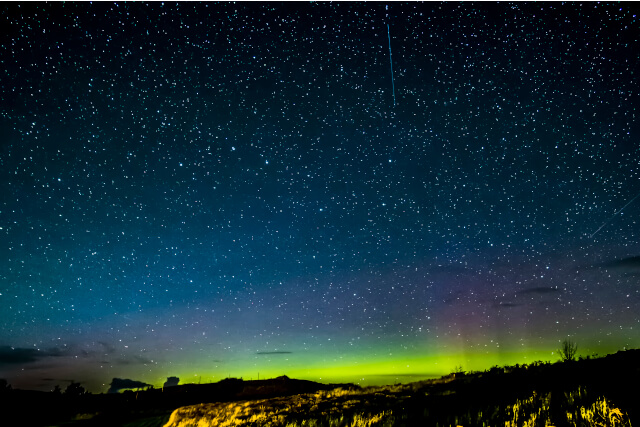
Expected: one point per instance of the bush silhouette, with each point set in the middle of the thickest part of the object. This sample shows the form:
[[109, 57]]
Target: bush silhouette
[[74, 389], [568, 350]]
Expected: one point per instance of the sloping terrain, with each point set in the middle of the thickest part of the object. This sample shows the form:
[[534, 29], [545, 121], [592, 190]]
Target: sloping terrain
[[590, 392], [584, 393], [385, 408]]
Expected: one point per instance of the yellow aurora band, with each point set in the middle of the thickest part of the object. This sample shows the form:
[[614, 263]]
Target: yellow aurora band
[[364, 371]]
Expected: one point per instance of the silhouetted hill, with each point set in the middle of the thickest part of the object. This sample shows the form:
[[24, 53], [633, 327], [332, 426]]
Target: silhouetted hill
[[493, 397], [155, 405], [234, 389], [589, 392]]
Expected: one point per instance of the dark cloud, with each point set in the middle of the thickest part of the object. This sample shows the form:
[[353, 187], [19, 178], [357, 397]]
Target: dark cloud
[[133, 360], [449, 269], [16, 355], [107, 348], [118, 384], [631, 264], [540, 290], [509, 304], [520, 299], [262, 353], [142, 360]]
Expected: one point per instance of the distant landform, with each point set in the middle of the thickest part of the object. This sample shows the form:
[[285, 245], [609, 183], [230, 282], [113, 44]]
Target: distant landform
[[587, 392]]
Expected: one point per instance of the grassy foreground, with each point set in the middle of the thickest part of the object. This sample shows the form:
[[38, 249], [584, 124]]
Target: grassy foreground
[[385, 408], [588, 392], [591, 392]]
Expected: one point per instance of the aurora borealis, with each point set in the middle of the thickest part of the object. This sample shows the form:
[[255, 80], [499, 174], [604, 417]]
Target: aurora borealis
[[213, 190]]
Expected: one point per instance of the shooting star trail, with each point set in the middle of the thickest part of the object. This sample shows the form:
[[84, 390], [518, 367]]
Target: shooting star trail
[[613, 216], [393, 86]]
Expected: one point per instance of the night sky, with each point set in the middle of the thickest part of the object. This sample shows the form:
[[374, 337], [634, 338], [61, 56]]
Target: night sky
[[215, 190]]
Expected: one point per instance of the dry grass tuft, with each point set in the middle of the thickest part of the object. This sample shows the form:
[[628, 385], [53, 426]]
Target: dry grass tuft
[[380, 407], [339, 408]]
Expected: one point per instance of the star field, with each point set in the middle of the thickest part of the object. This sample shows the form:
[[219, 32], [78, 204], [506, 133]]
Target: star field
[[213, 190]]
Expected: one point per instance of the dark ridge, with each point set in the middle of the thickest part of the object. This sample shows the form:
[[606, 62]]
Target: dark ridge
[[450, 400]]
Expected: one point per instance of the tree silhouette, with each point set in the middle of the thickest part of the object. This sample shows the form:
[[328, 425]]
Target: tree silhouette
[[74, 389], [568, 350]]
